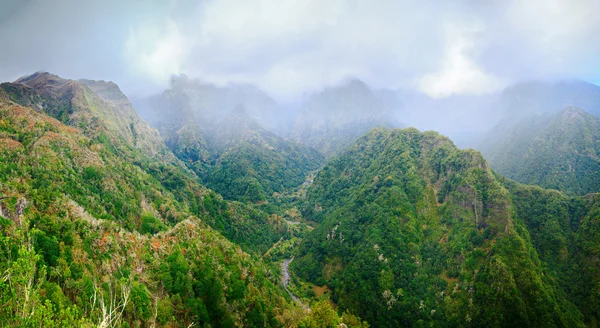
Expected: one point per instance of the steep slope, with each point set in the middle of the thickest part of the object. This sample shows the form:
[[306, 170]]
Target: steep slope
[[334, 118], [105, 171], [254, 163], [415, 232], [226, 146], [565, 232], [96, 107], [91, 239], [124, 118], [557, 152]]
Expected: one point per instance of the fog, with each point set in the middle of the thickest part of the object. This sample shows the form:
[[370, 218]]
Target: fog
[[446, 62]]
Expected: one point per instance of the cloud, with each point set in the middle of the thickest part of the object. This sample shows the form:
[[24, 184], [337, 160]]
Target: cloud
[[159, 53], [292, 47], [459, 73]]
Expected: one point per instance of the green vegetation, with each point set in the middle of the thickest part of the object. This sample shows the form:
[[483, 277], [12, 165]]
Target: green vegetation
[[241, 160], [252, 173], [97, 232], [96, 273], [102, 225], [72, 253], [565, 232], [556, 152], [415, 232], [112, 179]]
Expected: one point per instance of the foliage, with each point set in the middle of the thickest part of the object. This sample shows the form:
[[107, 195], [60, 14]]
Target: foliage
[[100, 225], [564, 231], [415, 232], [95, 232], [112, 180], [240, 159], [556, 152]]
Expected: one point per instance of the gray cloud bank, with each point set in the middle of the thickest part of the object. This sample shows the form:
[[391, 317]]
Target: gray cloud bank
[[293, 47]]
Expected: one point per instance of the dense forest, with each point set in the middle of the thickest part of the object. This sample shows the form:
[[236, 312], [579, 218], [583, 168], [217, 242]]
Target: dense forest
[[106, 221], [96, 232], [300, 164], [417, 232], [229, 150]]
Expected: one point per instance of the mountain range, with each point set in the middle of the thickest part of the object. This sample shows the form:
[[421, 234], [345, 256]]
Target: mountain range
[[215, 207], [556, 151]]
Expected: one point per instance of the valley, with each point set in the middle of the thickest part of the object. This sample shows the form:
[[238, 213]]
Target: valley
[[399, 227], [300, 164]]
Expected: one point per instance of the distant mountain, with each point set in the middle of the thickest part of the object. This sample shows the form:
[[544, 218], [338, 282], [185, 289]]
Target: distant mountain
[[392, 100], [534, 98], [463, 118], [254, 163], [218, 133], [332, 119], [556, 151], [209, 104], [415, 232], [467, 119]]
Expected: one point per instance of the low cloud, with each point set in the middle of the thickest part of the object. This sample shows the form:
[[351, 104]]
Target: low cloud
[[292, 47]]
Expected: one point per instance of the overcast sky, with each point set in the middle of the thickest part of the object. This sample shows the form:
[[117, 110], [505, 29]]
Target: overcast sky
[[290, 47]]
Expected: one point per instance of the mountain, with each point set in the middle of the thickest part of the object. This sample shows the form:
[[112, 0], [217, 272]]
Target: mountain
[[254, 163], [415, 232], [534, 98], [463, 118], [228, 147], [332, 119], [208, 104], [106, 221], [557, 151], [96, 107], [107, 137], [96, 232]]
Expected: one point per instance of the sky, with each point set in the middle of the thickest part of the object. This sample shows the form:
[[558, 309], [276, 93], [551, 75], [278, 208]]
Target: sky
[[293, 47]]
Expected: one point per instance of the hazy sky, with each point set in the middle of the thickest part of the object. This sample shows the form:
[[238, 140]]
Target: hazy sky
[[289, 47]]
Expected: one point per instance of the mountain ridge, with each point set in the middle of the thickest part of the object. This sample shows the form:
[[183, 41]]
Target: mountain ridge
[[558, 151], [413, 229]]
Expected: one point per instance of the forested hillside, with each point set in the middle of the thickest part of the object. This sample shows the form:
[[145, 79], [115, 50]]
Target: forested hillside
[[565, 232], [96, 232], [105, 224], [300, 164], [414, 232], [556, 151], [250, 163], [102, 169], [226, 143]]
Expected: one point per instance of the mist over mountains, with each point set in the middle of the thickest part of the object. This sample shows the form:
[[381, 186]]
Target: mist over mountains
[[354, 105], [332, 182], [299, 164]]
